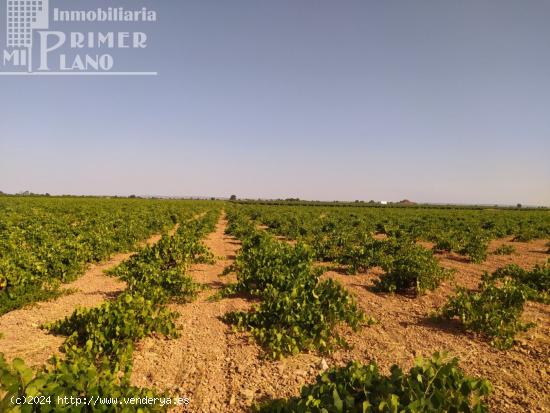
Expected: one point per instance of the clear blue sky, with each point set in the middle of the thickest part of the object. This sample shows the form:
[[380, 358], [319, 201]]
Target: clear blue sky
[[438, 101]]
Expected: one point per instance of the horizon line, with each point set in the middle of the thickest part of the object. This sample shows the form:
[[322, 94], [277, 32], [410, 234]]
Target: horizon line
[[288, 198]]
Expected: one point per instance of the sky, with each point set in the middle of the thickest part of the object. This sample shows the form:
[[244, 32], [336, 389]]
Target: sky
[[433, 101]]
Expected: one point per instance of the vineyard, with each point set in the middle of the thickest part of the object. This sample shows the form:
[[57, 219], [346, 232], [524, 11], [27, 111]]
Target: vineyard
[[244, 307]]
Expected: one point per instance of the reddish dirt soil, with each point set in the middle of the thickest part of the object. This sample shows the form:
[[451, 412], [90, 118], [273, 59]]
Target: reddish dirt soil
[[22, 336], [218, 369], [223, 371], [520, 375], [198, 364]]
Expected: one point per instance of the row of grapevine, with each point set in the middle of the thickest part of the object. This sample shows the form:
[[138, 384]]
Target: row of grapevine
[[333, 231], [48, 241], [341, 235], [432, 385], [98, 350], [407, 265], [496, 307], [298, 312]]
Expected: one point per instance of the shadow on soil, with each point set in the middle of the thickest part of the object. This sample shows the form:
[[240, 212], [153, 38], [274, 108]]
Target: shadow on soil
[[112, 295], [458, 258], [451, 327]]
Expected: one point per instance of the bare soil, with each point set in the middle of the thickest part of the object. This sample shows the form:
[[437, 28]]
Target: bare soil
[[198, 364], [21, 335], [520, 376], [224, 371]]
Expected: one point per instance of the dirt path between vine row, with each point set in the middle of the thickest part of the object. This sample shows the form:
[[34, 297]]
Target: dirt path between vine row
[[195, 365], [219, 370], [20, 332]]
